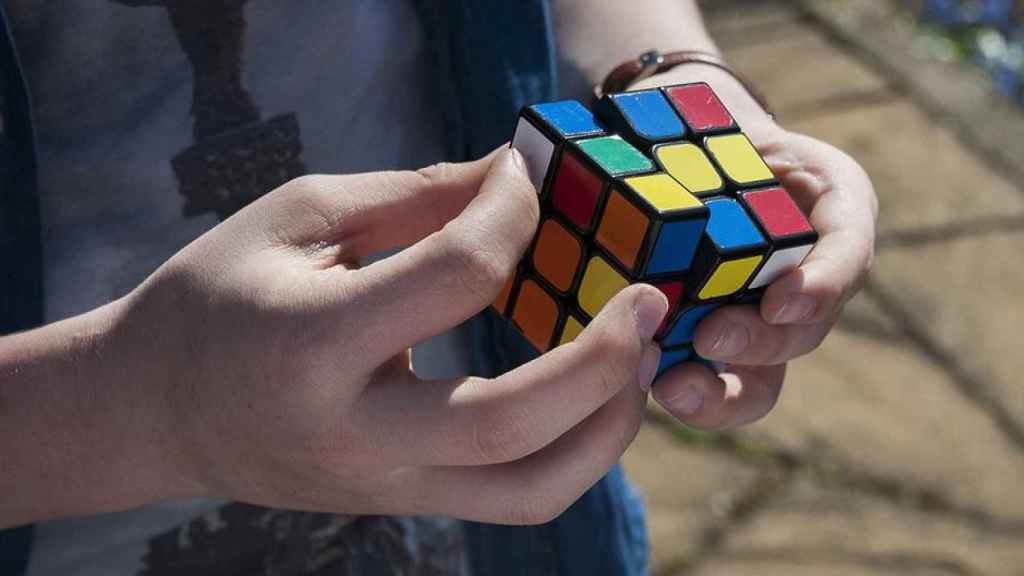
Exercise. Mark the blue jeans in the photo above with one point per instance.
(602, 533)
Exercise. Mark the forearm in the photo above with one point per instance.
(77, 434)
(594, 37)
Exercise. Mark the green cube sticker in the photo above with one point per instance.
(616, 156)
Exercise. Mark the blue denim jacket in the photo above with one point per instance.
(500, 56)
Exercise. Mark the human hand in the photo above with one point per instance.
(797, 310)
(280, 368)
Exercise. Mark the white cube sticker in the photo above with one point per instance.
(780, 262)
(536, 150)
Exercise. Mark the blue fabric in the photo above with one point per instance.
(21, 284)
(493, 57)
(650, 115)
(21, 294)
(602, 533)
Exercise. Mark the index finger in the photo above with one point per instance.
(451, 274)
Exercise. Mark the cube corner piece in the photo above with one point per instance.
(701, 109)
(542, 130)
(789, 233)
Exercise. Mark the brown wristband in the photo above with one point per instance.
(654, 62)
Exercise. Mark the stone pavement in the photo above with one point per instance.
(898, 447)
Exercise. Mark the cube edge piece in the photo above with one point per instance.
(778, 244)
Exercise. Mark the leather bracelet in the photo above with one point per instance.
(654, 62)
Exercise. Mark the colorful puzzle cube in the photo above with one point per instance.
(655, 186)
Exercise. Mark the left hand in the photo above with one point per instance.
(799, 309)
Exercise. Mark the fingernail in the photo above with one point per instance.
(520, 162)
(688, 401)
(732, 340)
(650, 308)
(797, 308)
(648, 368)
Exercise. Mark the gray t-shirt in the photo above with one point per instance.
(153, 120)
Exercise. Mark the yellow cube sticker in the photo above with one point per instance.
(729, 277)
(689, 165)
(600, 284)
(572, 329)
(739, 159)
(662, 192)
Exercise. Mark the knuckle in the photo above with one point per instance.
(435, 173)
(479, 271)
(617, 356)
(307, 184)
(500, 436)
(309, 198)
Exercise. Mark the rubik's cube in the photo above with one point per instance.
(655, 186)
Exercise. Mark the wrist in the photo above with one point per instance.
(123, 407)
(150, 381)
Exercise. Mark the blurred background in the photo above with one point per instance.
(898, 447)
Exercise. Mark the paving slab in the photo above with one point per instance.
(800, 69)
(923, 175)
(734, 24)
(813, 529)
(875, 408)
(686, 490)
(964, 297)
(863, 314)
(883, 33)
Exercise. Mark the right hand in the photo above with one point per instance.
(276, 371)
